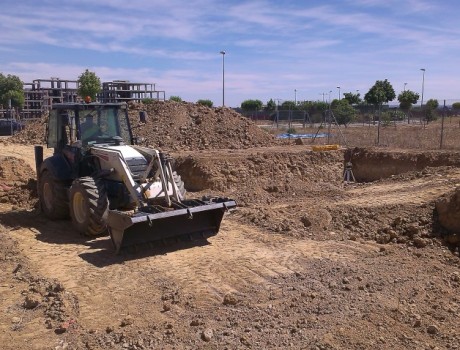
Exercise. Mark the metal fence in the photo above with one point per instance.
(420, 128)
(364, 114)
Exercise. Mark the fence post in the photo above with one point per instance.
(442, 124)
(378, 125)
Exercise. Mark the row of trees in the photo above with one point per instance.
(380, 93)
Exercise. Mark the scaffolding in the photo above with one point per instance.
(41, 94)
(125, 91)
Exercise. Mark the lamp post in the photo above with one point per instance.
(223, 77)
(423, 84)
(330, 91)
(295, 97)
(405, 86)
(338, 87)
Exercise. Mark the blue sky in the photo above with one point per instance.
(274, 49)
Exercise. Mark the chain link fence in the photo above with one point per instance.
(420, 128)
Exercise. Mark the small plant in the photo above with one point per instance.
(208, 103)
(291, 131)
(386, 119)
(147, 101)
(175, 98)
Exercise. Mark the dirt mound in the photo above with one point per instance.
(17, 183)
(33, 134)
(31, 297)
(186, 126)
(176, 126)
(262, 177)
(448, 210)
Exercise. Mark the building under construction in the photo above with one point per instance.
(40, 95)
(125, 91)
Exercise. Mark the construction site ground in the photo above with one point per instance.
(304, 262)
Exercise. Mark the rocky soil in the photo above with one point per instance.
(305, 262)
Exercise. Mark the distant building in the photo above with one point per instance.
(40, 95)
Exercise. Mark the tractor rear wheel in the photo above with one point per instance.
(53, 195)
(89, 206)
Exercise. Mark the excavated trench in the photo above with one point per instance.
(371, 164)
(281, 169)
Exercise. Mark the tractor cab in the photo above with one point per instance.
(74, 128)
(82, 125)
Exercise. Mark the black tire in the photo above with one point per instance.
(89, 206)
(53, 195)
(180, 184)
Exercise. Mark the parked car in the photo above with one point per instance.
(9, 127)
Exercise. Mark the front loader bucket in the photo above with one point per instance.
(155, 223)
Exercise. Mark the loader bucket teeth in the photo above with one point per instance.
(153, 223)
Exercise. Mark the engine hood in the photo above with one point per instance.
(127, 152)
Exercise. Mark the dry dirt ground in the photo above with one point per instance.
(305, 262)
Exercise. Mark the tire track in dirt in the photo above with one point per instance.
(418, 191)
(233, 261)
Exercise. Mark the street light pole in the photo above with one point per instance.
(423, 84)
(295, 97)
(405, 86)
(338, 87)
(223, 77)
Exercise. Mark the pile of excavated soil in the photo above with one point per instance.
(177, 126)
(18, 186)
(33, 134)
(187, 126)
(264, 177)
(448, 210)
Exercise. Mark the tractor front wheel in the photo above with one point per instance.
(89, 206)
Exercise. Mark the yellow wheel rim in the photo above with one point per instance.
(79, 207)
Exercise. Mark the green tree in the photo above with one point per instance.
(270, 106)
(251, 105)
(406, 99)
(353, 99)
(456, 105)
(381, 92)
(430, 110)
(89, 84)
(11, 88)
(312, 106)
(344, 113)
(208, 103)
(175, 98)
(432, 104)
(288, 105)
